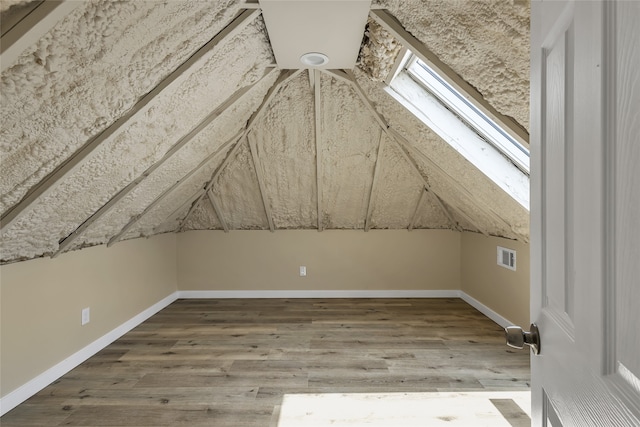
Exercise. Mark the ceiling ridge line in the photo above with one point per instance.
(46, 184)
(184, 140)
(168, 191)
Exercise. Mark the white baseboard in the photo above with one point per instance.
(502, 321)
(322, 294)
(32, 387)
(27, 390)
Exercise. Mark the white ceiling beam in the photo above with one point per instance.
(169, 190)
(318, 138)
(230, 155)
(414, 218)
(83, 153)
(391, 24)
(257, 166)
(374, 183)
(217, 210)
(32, 28)
(227, 104)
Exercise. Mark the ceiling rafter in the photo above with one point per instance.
(416, 169)
(349, 77)
(83, 153)
(461, 189)
(374, 182)
(391, 24)
(226, 105)
(444, 209)
(283, 78)
(230, 155)
(32, 28)
(318, 137)
(174, 215)
(414, 218)
(472, 222)
(168, 191)
(217, 210)
(257, 167)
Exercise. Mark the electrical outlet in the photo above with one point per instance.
(303, 270)
(86, 316)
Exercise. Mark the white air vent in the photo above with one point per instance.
(507, 258)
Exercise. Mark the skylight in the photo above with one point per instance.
(492, 149)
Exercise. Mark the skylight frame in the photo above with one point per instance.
(494, 134)
(442, 119)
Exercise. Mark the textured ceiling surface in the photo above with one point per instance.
(128, 119)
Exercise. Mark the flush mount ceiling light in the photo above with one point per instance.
(331, 30)
(314, 59)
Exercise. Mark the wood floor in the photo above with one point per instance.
(230, 362)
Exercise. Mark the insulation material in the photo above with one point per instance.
(431, 215)
(205, 143)
(453, 173)
(203, 217)
(85, 73)
(379, 51)
(5, 5)
(348, 154)
(238, 193)
(397, 189)
(285, 142)
(484, 41)
(144, 141)
(98, 61)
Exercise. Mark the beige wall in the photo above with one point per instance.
(41, 301)
(335, 260)
(504, 291)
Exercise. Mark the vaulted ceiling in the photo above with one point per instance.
(133, 118)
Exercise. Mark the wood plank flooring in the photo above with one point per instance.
(230, 362)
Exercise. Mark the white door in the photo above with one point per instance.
(585, 217)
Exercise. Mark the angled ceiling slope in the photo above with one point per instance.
(122, 120)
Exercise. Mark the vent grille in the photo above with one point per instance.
(507, 258)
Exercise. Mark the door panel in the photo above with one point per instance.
(585, 216)
(624, 193)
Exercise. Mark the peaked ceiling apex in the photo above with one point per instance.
(332, 28)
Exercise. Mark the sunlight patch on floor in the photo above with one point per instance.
(452, 409)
